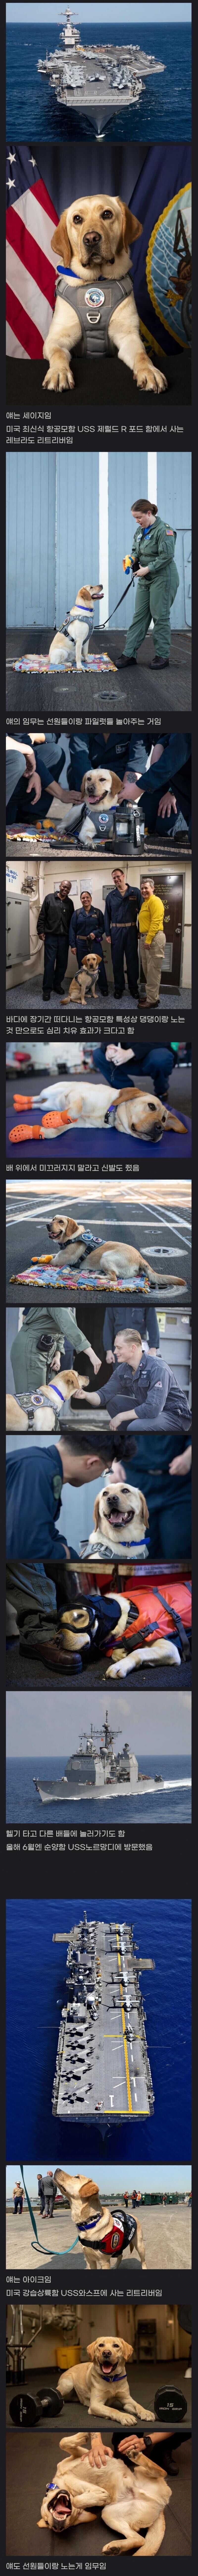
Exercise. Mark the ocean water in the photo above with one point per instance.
(34, 1991)
(169, 1806)
(163, 110)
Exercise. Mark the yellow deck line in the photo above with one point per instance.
(124, 2031)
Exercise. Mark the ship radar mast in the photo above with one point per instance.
(103, 1735)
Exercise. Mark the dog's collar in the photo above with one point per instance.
(74, 272)
(55, 1390)
(66, 272)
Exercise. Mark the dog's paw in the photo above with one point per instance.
(58, 377)
(149, 378)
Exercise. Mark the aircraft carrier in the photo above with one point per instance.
(96, 79)
(102, 2062)
(96, 1767)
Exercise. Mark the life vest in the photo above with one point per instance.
(151, 1616)
(93, 305)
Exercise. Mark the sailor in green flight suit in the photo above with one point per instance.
(153, 558)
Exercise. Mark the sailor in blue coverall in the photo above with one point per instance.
(87, 932)
(122, 906)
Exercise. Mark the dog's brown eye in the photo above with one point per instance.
(107, 215)
(78, 219)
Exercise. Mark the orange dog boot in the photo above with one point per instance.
(20, 1135)
(23, 1099)
(54, 1120)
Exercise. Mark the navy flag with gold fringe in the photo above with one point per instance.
(162, 254)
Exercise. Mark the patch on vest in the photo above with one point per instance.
(94, 298)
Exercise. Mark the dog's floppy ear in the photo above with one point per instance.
(96, 1511)
(176, 1123)
(60, 240)
(127, 2351)
(130, 224)
(89, 2191)
(91, 2349)
(145, 1513)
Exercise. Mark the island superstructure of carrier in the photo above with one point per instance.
(96, 79)
(102, 2063)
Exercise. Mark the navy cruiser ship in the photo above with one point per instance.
(102, 2062)
(95, 1767)
(96, 79)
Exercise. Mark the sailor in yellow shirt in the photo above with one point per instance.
(152, 939)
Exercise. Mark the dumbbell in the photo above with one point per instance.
(170, 2405)
(26, 2410)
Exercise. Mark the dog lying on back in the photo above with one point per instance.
(71, 644)
(130, 2493)
(93, 240)
(94, 2223)
(120, 1520)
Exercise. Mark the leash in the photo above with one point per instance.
(113, 611)
(43, 2249)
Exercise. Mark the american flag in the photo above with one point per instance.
(30, 262)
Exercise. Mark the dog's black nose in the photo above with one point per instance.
(91, 240)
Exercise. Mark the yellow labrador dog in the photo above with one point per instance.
(130, 2494)
(94, 300)
(100, 791)
(40, 1411)
(86, 980)
(137, 1113)
(120, 1520)
(115, 1261)
(100, 787)
(140, 1113)
(96, 2224)
(71, 643)
(101, 2382)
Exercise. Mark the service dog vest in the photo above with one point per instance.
(94, 305)
(120, 2232)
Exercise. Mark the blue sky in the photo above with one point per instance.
(121, 2177)
(38, 1727)
(163, 10)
